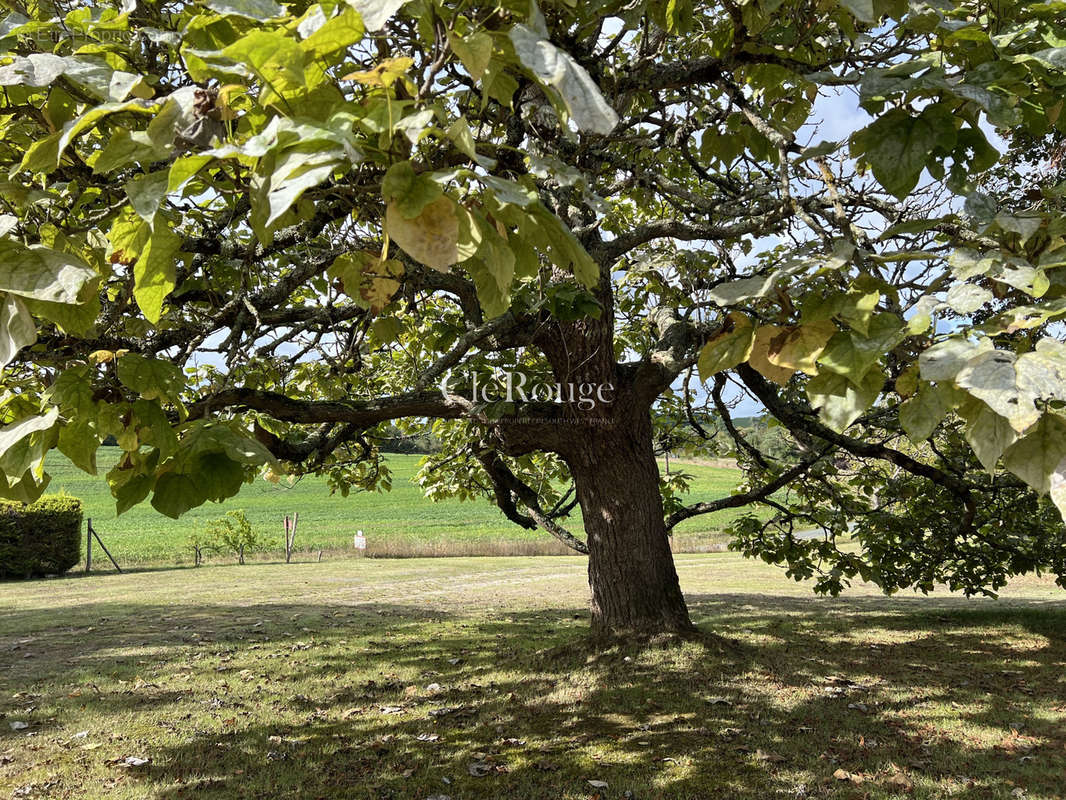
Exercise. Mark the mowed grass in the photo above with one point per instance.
(399, 522)
(469, 678)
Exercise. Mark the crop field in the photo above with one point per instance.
(470, 678)
(401, 522)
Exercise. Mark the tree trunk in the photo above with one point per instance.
(631, 568)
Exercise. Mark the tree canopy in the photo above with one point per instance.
(243, 236)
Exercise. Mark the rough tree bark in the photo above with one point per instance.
(631, 568)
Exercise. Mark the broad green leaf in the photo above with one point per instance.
(36, 70)
(1023, 226)
(1041, 373)
(27, 489)
(857, 309)
(218, 476)
(17, 328)
(495, 253)
(367, 279)
(586, 105)
(839, 401)
(1035, 457)
(127, 237)
(151, 378)
(376, 13)
(335, 35)
(251, 9)
(125, 148)
(942, 361)
(176, 493)
(146, 192)
(897, 146)
(966, 298)
(991, 377)
(921, 315)
(1058, 488)
(44, 154)
(862, 10)
(987, 432)
(463, 138)
(153, 428)
(154, 272)
(727, 349)
(276, 58)
(295, 171)
(23, 444)
(475, 51)
(494, 301)
(564, 250)
(920, 415)
(79, 442)
(41, 273)
(211, 437)
(908, 381)
(131, 492)
(184, 168)
(409, 192)
(728, 294)
(852, 354)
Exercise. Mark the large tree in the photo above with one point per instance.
(244, 236)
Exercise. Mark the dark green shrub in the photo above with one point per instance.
(43, 538)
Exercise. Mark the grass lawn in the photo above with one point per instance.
(399, 522)
(467, 678)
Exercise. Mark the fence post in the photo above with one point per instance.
(88, 545)
(100, 542)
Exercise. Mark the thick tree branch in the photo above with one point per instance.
(363, 413)
(507, 487)
(749, 497)
(794, 418)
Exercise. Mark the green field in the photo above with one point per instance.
(377, 679)
(400, 522)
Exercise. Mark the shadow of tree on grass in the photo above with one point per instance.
(853, 698)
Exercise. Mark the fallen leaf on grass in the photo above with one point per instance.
(598, 784)
(901, 781)
(130, 761)
(479, 769)
(844, 775)
(18, 725)
(770, 758)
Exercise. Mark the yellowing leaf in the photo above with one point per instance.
(799, 346)
(380, 285)
(226, 95)
(367, 279)
(384, 74)
(760, 352)
(1058, 483)
(431, 238)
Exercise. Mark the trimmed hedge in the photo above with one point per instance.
(43, 538)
